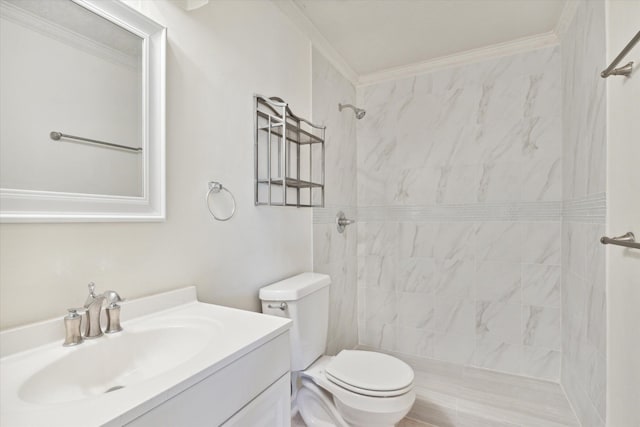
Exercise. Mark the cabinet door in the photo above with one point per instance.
(271, 408)
(215, 399)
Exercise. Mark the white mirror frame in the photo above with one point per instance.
(48, 206)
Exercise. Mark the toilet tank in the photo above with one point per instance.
(306, 303)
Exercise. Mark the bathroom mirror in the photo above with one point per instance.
(82, 112)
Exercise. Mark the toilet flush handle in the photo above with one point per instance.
(282, 306)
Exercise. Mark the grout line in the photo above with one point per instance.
(566, 396)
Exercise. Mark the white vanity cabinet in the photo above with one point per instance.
(251, 391)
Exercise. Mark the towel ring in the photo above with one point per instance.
(216, 187)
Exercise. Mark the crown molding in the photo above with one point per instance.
(566, 17)
(462, 58)
(304, 24)
(293, 11)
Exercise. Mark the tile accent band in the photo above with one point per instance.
(520, 211)
(590, 209)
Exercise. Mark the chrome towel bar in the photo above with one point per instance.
(627, 240)
(56, 136)
(625, 70)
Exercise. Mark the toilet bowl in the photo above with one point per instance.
(354, 388)
(378, 392)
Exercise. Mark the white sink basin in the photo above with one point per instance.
(113, 362)
(170, 342)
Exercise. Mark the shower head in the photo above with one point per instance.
(359, 111)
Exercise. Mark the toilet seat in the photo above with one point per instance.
(358, 408)
(370, 373)
(369, 393)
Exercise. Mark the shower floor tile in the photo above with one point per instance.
(450, 395)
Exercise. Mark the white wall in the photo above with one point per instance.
(623, 190)
(54, 83)
(218, 56)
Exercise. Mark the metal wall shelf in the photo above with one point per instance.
(292, 182)
(289, 156)
(298, 136)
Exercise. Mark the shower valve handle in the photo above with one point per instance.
(342, 221)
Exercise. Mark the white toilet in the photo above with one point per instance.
(354, 388)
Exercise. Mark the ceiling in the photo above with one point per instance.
(376, 35)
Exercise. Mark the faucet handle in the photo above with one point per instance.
(75, 312)
(72, 322)
(112, 298)
(92, 295)
(113, 312)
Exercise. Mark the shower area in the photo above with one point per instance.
(479, 193)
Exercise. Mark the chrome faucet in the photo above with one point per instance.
(93, 305)
(93, 310)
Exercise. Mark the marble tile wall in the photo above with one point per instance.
(335, 253)
(583, 54)
(459, 200)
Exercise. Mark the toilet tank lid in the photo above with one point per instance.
(295, 287)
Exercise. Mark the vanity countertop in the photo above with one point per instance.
(170, 342)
